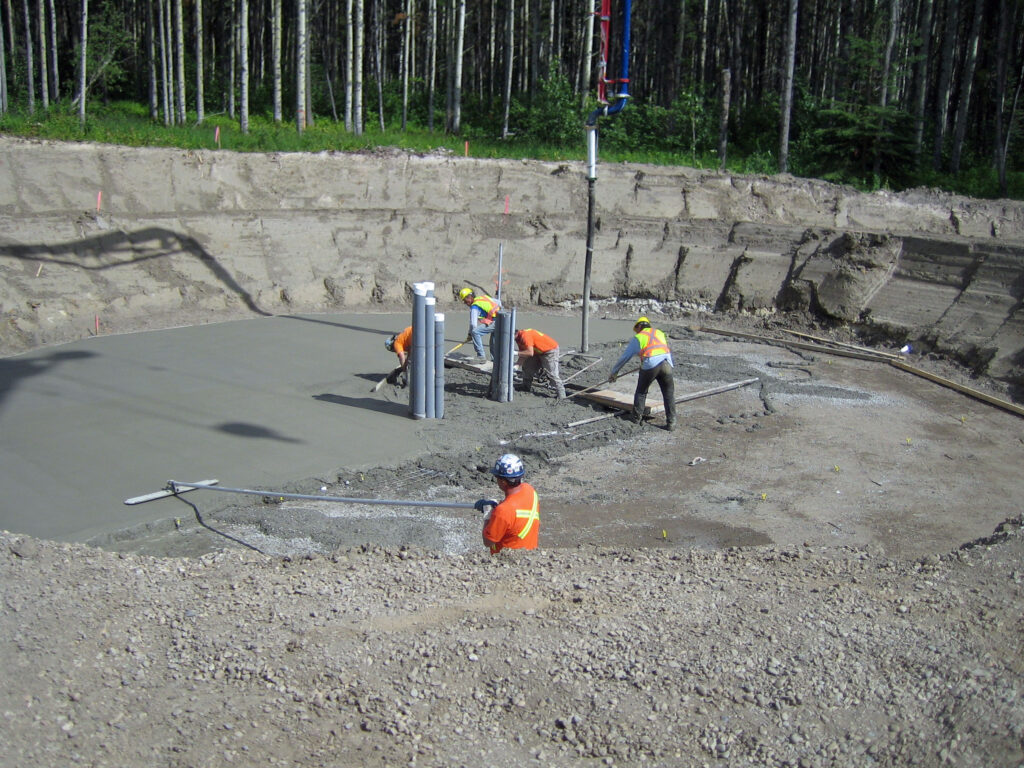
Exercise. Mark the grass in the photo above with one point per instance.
(129, 124)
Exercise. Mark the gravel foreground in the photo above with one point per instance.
(372, 656)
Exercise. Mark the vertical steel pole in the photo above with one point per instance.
(417, 404)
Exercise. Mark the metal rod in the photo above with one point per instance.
(175, 487)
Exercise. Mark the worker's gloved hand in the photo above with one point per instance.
(469, 337)
(393, 376)
(611, 378)
(485, 505)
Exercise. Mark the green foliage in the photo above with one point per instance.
(553, 114)
(107, 50)
(870, 146)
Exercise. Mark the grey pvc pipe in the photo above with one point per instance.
(429, 392)
(439, 365)
(417, 403)
(174, 485)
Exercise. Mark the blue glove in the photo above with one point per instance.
(483, 504)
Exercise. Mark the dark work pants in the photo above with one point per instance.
(663, 375)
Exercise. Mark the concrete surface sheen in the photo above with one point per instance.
(257, 403)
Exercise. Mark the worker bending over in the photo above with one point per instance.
(482, 311)
(655, 364)
(400, 343)
(538, 351)
(514, 522)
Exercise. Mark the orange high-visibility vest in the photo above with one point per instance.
(541, 342)
(652, 342)
(489, 306)
(515, 522)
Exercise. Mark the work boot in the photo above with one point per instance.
(670, 426)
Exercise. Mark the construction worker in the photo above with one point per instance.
(400, 343)
(514, 522)
(655, 364)
(538, 351)
(482, 311)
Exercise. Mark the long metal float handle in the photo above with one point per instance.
(175, 485)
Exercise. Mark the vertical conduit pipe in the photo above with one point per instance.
(417, 404)
(510, 352)
(428, 352)
(439, 365)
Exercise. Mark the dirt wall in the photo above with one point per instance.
(118, 238)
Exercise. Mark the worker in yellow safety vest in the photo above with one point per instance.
(482, 311)
(655, 365)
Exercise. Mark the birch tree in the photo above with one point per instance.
(83, 46)
(200, 39)
(300, 68)
(54, 76)
(3, 72)
(275, 57)
(786, 109)
(179, 49)
(243, 65)
(44, 85)
(966, 85)
(357, 80)
(29, 64)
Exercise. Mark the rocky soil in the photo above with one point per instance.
(804, 656)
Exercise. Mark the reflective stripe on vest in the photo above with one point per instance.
(489, 308)
(652, 343)
(530, 515)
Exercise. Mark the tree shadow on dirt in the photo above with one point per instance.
(91, 251)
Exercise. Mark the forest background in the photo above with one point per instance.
(877, 94)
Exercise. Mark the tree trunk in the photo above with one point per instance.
(945, 82)
(54, 71)
(723, 118)
(200, 39)
(154, 97)
(460, 37)
(349, 63)
(3, 74)
(275, 58)
(44, 84)
(29, 63)
(300, 68)
(431, 61)
(243, 66)
(786, 108)
(510, 26)
(883, 101)
(924, 33)
(164, 60)
(406, 46)
(586, 53)
(179, 50)
(81, 63)
(966, 86)
(357, 83)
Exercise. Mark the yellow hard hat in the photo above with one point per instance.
(642, 321)
(464, 293)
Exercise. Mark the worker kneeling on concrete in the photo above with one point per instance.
(538, 351)
(400, 343)
(514, 522)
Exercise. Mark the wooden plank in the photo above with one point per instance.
(796, 344)
(681, 399)
(868, 350)
(1006, 406)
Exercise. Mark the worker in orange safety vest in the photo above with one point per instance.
(538, 351)
(514, 522)
(655, 365)
(400, 343)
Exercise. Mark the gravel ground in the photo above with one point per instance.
(761, 656)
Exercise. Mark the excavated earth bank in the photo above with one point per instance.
(837, 582)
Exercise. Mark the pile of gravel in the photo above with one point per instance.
(372, 656)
